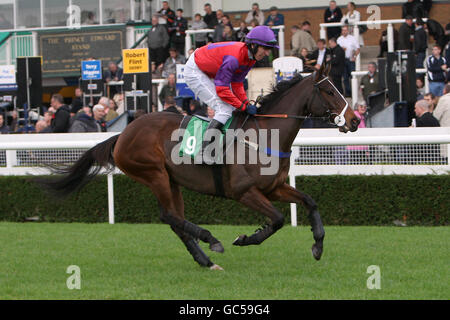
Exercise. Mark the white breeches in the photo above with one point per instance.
(205, 89)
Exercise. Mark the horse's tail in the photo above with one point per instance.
(83, 171)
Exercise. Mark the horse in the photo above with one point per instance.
(143, 152)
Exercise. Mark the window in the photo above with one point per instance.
(6, 14)
(89, 11)
(28, 13)
(116, 11)
(55, 13)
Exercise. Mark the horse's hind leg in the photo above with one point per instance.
(255, 200)
(191, 244)
(159, 182)
(286, 193)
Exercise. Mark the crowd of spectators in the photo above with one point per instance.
(166, 41)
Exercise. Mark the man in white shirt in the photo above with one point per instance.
(351, 47)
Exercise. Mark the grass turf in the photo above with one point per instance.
(148, 261)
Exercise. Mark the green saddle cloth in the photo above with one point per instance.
(193, 136)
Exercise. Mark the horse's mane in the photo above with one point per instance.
(277, 91)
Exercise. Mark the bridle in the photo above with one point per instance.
(339, 119)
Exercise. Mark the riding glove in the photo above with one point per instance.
(251, 109)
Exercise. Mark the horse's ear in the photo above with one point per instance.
(319, 73)
(327, 68)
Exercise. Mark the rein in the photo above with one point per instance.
(339, 119)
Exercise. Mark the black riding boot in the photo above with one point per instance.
(208, 158)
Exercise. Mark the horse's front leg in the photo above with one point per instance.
(286, 193)
(255, 200)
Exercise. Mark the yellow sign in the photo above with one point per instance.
(135, 60)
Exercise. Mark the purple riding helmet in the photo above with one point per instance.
(263, 36)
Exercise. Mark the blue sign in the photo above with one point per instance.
(91, 70)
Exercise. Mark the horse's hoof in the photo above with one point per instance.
(239, 241)
(217, 247)
(216, 267)
(317, 250)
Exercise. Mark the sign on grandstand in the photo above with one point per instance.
(91, 70)
(135, 60)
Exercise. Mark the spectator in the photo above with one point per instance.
(77, 102)
(41, 127)
(61, 120)
(170, 106)
(211, 113)
(431, 99)
(99, 114)
(320, 54)
(3, 127)
(412, 8)
(112, 111)
(436, 66)
(242, 32)
(337, 61)
(420, 86)
(220, 15)
(359, 154)
(274, 19)
(104, 101)
(157, 71)
(442, 110)
(369, 82)
(255, 13)
(196, 108)
(167, 14)
(307, 62)
(114, 73)
(254, 23)
(384, 43)
(178, 31)
(84, 122)
(219, 31)
(424, 117)
(306, 26)
(48, 116)
(119, 101)
(190, 51)
(14, 125)
(198, 24)
(302, 39)
(210, 17)
(350, 18)
(169, 89)
(437, 32)
(228, 33)
(351, 48)
(333, 14)
(158, 40)
(420, 43)
(170, 66)
(406, 34)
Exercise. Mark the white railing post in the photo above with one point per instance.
(358, 57)
(34, 41)
(323, 32)
(292, 184)
(390, 37)
(131, 37)
(281, 41)
(110, 198)
(355, 89)
(188, 44)
(8, 52)
(11, 158)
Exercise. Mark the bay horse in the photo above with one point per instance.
(142, 151)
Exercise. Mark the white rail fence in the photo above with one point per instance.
(380, 151)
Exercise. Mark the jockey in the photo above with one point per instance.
(215, 72)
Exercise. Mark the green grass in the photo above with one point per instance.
(148, 261)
